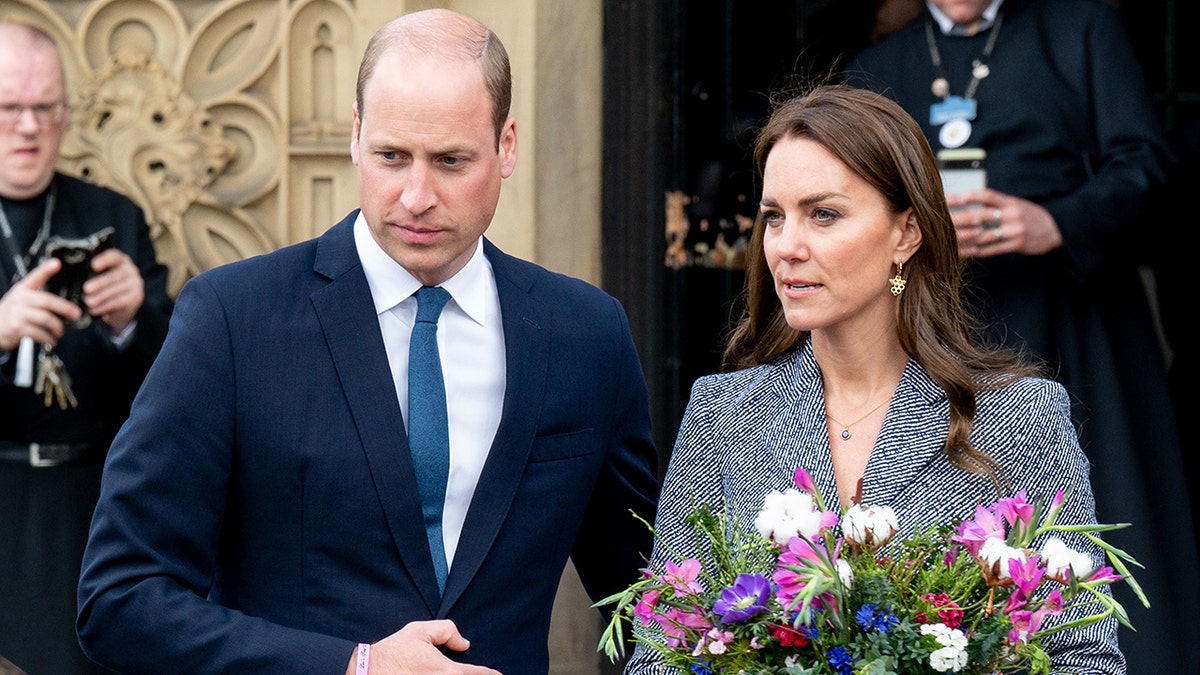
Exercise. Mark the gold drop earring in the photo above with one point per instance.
(898, 281)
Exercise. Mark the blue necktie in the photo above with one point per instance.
(428, 430)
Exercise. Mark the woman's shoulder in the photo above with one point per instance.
(766, 380)
(1026, 391)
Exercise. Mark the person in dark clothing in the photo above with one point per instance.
(1052, 94)
(68, 372)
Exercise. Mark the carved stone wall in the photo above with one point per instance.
(228, 122)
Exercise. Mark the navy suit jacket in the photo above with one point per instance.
(259, 510)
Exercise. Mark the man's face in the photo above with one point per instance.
(429, 172)
(963, 11)
(29, 76)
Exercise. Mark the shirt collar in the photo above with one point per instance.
(950, 28)
(391, 284)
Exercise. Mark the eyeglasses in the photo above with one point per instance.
(45, 113)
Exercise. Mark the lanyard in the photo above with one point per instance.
(20, 262)
(979, 67)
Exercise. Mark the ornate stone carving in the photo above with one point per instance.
(136, 131)
(228, 122)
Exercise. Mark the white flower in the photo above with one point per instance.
(845, 573)
(995, 550)
(788, 514)
(948, 659)
(1058, 557)
(870, 526)
(952, 655)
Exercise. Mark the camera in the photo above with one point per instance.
(76, 256)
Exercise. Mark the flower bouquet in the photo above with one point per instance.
(812, 593)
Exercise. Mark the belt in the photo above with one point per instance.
(44, 454)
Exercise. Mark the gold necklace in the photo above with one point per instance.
(846, 427)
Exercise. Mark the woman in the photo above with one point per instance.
(1053, 93)
(855, 358)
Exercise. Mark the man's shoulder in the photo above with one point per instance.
(537, 279)
(83, 190)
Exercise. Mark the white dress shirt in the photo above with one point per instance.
(471, 345)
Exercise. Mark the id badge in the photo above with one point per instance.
(954, 107)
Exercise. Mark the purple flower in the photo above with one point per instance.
(746, 597)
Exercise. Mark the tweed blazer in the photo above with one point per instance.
(744, 433)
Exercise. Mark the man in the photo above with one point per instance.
(1051, 94)
(53, 437)
(263, 511)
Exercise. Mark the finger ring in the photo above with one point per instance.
(997, 215)
(999, 232)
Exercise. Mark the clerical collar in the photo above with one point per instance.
(948, 27)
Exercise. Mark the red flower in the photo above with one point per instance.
(788, 637)
(948, 611)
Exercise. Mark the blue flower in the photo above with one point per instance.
(870, 619)
(702, 668)
(840, 660)
(865, 615)
(746, 597)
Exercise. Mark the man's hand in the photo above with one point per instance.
(27, 310)
(414, 649)
(989, 222)
(116, 292)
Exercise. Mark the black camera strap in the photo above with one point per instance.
(21, 263)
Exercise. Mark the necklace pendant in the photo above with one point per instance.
(980, 70)
(845, 434)
(940, 87)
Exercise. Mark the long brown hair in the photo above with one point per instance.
(883, 145)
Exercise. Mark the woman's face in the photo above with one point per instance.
(831, 241)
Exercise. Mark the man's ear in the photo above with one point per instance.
(508, 148)
(354, 131)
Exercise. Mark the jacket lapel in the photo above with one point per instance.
(910, 440)
(527, 346)
(796, 435)
(347, 316)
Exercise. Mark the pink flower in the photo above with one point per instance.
(1017, 511)
(683, 577)
(1025, 624)
(1026, 574)
(800, 553)
(804, 481)
(677, 625)
(1103, 575)
(974, 533)
(644, 610)
(714, 641)
(1054, 603)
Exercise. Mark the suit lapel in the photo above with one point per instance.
(527, 346)
(347, 316)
